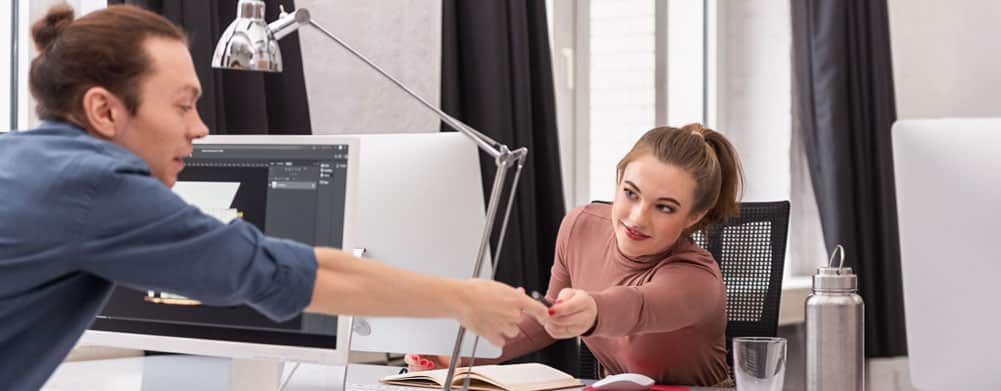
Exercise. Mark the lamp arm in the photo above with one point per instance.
(492, 207)
(504, 158)
(288, 23)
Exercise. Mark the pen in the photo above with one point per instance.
(542, 299)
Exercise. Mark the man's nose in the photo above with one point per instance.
(199, 130)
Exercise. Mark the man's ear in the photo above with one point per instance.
(104, 112)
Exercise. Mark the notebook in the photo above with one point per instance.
(511, 377)
(655, 387)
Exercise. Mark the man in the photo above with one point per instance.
(85, 203)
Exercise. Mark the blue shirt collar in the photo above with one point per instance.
(115, 151)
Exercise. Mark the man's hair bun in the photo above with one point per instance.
(47, 29)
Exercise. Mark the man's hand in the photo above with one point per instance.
(493, 310)
(573, 314)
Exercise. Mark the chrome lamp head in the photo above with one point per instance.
(248, 44)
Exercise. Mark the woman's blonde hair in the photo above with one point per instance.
(704, 154)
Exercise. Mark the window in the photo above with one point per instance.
(625, 66)
(15, 99)
(612, 75)
(6, 25)
(622, 86)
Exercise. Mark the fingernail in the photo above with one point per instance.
(426, 363)
(414, 357)
(551, 312)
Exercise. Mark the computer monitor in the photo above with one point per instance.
(948, 186)
(420, 207)
(296, 187)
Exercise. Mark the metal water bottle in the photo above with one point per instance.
(835, 349)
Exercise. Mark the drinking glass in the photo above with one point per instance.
(759, 363)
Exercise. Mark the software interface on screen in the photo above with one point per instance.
(288, 191)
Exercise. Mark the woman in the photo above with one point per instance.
(628, 278)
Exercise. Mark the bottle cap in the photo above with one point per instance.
(835, 278)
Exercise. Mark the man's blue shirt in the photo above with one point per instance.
(78, 215)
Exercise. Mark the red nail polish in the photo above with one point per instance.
(551, 312)
(425, 363)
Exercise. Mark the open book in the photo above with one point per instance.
(512, 377)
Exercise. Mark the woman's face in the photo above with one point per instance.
(652, 207)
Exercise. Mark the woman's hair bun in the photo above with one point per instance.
(47, 29)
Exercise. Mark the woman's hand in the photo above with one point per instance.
(416, 362)
(573, 314)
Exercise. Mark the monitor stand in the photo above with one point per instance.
(195, 373)
(183, 372)
(255, 375)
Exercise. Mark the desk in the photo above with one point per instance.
(201, 373)
(792, 307)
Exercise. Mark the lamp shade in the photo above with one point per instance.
(248, 44)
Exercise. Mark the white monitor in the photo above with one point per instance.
(420, 207)
(298, 187)
(948, 190)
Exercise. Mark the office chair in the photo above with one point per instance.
(750, 249)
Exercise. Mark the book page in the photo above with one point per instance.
(513, 377)
(528, 376)
(437, 376)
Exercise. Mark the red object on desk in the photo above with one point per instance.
(655, 387)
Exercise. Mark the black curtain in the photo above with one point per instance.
(235, 102)
(844, 92)
(497, 77)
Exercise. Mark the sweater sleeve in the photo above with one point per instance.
(533, 336)
(679, 295)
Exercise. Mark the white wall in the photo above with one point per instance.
(684, 60)
(753, 100)
(946, 57)
(754, 87)
(562, 15)
(345, 95)
(622, 87)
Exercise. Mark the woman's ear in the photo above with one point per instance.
(104, 113)
(695, 218)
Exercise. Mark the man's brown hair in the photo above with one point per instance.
(101, 49)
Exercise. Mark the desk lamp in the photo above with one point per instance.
(251, 44)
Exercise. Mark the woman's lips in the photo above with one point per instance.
(633, 234)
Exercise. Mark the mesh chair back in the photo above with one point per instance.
(750, 249)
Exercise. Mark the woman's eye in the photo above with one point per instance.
(629, 194)
(185, 108)
(665, 208)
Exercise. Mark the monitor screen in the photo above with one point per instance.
(292, 191)
(436, 229)
(947, 187)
